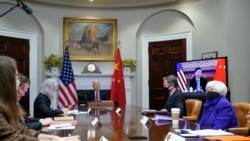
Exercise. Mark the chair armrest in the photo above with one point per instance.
(190, 118)
(239, 130)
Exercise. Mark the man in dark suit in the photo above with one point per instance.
(97, 94)
(175, 99)
(31, 123)
(198, 83)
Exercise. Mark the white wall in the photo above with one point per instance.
(219, 25)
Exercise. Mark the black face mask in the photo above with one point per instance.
(212, 95)
(166, 90)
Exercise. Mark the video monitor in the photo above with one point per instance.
(212, 69)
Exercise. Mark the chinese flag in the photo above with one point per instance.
(117, 93)
(220, 72)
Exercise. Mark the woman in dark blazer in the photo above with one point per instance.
(43, 100)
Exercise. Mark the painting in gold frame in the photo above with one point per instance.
(90, 39)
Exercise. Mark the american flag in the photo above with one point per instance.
(181, 78)
(67, 96)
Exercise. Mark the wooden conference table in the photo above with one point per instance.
(119, 127)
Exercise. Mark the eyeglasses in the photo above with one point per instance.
(19, 76)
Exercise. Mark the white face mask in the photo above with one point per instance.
(17, 83)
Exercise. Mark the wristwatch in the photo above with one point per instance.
(91, 67)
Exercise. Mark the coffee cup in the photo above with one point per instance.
(175, 114)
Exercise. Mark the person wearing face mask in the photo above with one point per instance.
(175, 99)
(31, 123)
(218, 112)
(10, 128)
(42, 102)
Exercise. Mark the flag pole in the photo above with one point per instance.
(119, 44)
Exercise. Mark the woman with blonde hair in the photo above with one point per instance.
(43, 100)
(10, 128)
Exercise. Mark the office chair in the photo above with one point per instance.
(241, 110)
(193, 108)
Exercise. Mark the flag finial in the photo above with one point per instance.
(119, 44)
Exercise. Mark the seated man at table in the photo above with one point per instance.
(198, 83)
(31, 123)
(218, 112)
(175, 99)
(97, 94)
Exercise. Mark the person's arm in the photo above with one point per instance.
(105, 95)
(11, 133)
(192, 83)
(224, 116)
(179, 103)
(45, 110)
(45, 137)
(35, 125)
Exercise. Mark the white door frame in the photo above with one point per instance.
(144, 54)
(32, 37)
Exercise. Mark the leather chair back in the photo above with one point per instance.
(241, 110)
(193, 109)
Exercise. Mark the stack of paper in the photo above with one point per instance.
(161, 120)
(73, 122)
(63, 118)
(76, 112)
(211, 132)
(229, 138)
(61, 126)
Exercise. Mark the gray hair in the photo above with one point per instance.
(217, 86)
(48, 87)
(171, 80)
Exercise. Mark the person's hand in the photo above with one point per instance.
(163, 109)
(46, 121)
(65, 110)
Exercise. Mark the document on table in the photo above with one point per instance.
(162, 118)
(61, 126)
(210, 132)
(63, 118)
(77, 112)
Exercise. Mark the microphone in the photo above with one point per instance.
(26, 7)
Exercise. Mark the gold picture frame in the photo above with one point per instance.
(90, 39)
(209, 55)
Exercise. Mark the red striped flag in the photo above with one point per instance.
(182, 81)
(67, 96)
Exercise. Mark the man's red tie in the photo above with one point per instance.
(96, 96)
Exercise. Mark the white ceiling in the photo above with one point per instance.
(104, 3)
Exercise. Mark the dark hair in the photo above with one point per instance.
(171, 80)
(24, 79)
(198, 68)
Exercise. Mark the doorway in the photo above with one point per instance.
(163, 56)
(34, 60)
(144, 50)
(19, 50)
